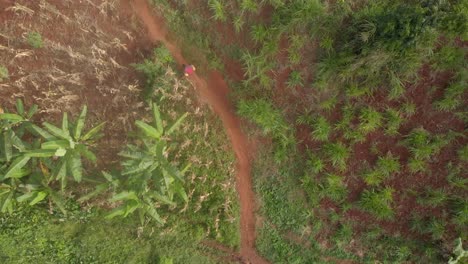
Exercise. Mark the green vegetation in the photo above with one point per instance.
(162, 176)
(337, 154)
(334, 188)
(321, 129)
(394, 120)
(30, 168)
(271, 122)
(459, 253)
(361, 110)
(378, 203)
(190, 143)
(147, 176)
(385, 167)
(32, 234)
(35, 40)
(371, 136)
(4, 75)
(370, 120)
(295, 79)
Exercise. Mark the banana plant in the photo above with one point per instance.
(150, 176)
(69, 144)
(7, 195)
(20, 120)
(12, 128)
(34, 193)
(15, 157)
(111, 182)
(16, 153)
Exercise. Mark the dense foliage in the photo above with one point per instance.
(30, 167)
(368, 97)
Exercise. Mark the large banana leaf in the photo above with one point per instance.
(58, 200)
(176, 124)
(148, 130)
(157, 119)
(41, 132)
(80, 123)
(119, 211)
(56, 144)
(151, 211)
(25, 197)
(16, 166)
(63, 134)
(128, 153)
(39, 197)
(13, 118)
(19, 107)
(40, 153)
(139, 167)
(75, 167)
(60, 172)
(131, 206)
(65, 122)
(20, 173)
(7, 147)
(93, 133)
(162, 198)
(179, 189)
(32, 111)
(172, 171)
(123, 196)
(17, 142)
(8, 140)
(85, 152)
(168, 180)
(8, 203)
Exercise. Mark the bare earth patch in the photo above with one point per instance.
(88, 49)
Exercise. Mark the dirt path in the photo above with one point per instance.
(214, 91)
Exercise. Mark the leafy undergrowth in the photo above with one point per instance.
(33, 235)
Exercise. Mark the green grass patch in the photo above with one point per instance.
(33, 235)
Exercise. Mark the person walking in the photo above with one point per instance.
(188, 69)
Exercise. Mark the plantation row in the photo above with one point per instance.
(364, 103)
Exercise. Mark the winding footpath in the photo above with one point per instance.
(214, 90)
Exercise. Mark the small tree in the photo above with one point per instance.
(69, 144)
(29, 168)
(148, 176)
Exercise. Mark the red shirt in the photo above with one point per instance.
(189, 69)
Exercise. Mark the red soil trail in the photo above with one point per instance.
(214, 91)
